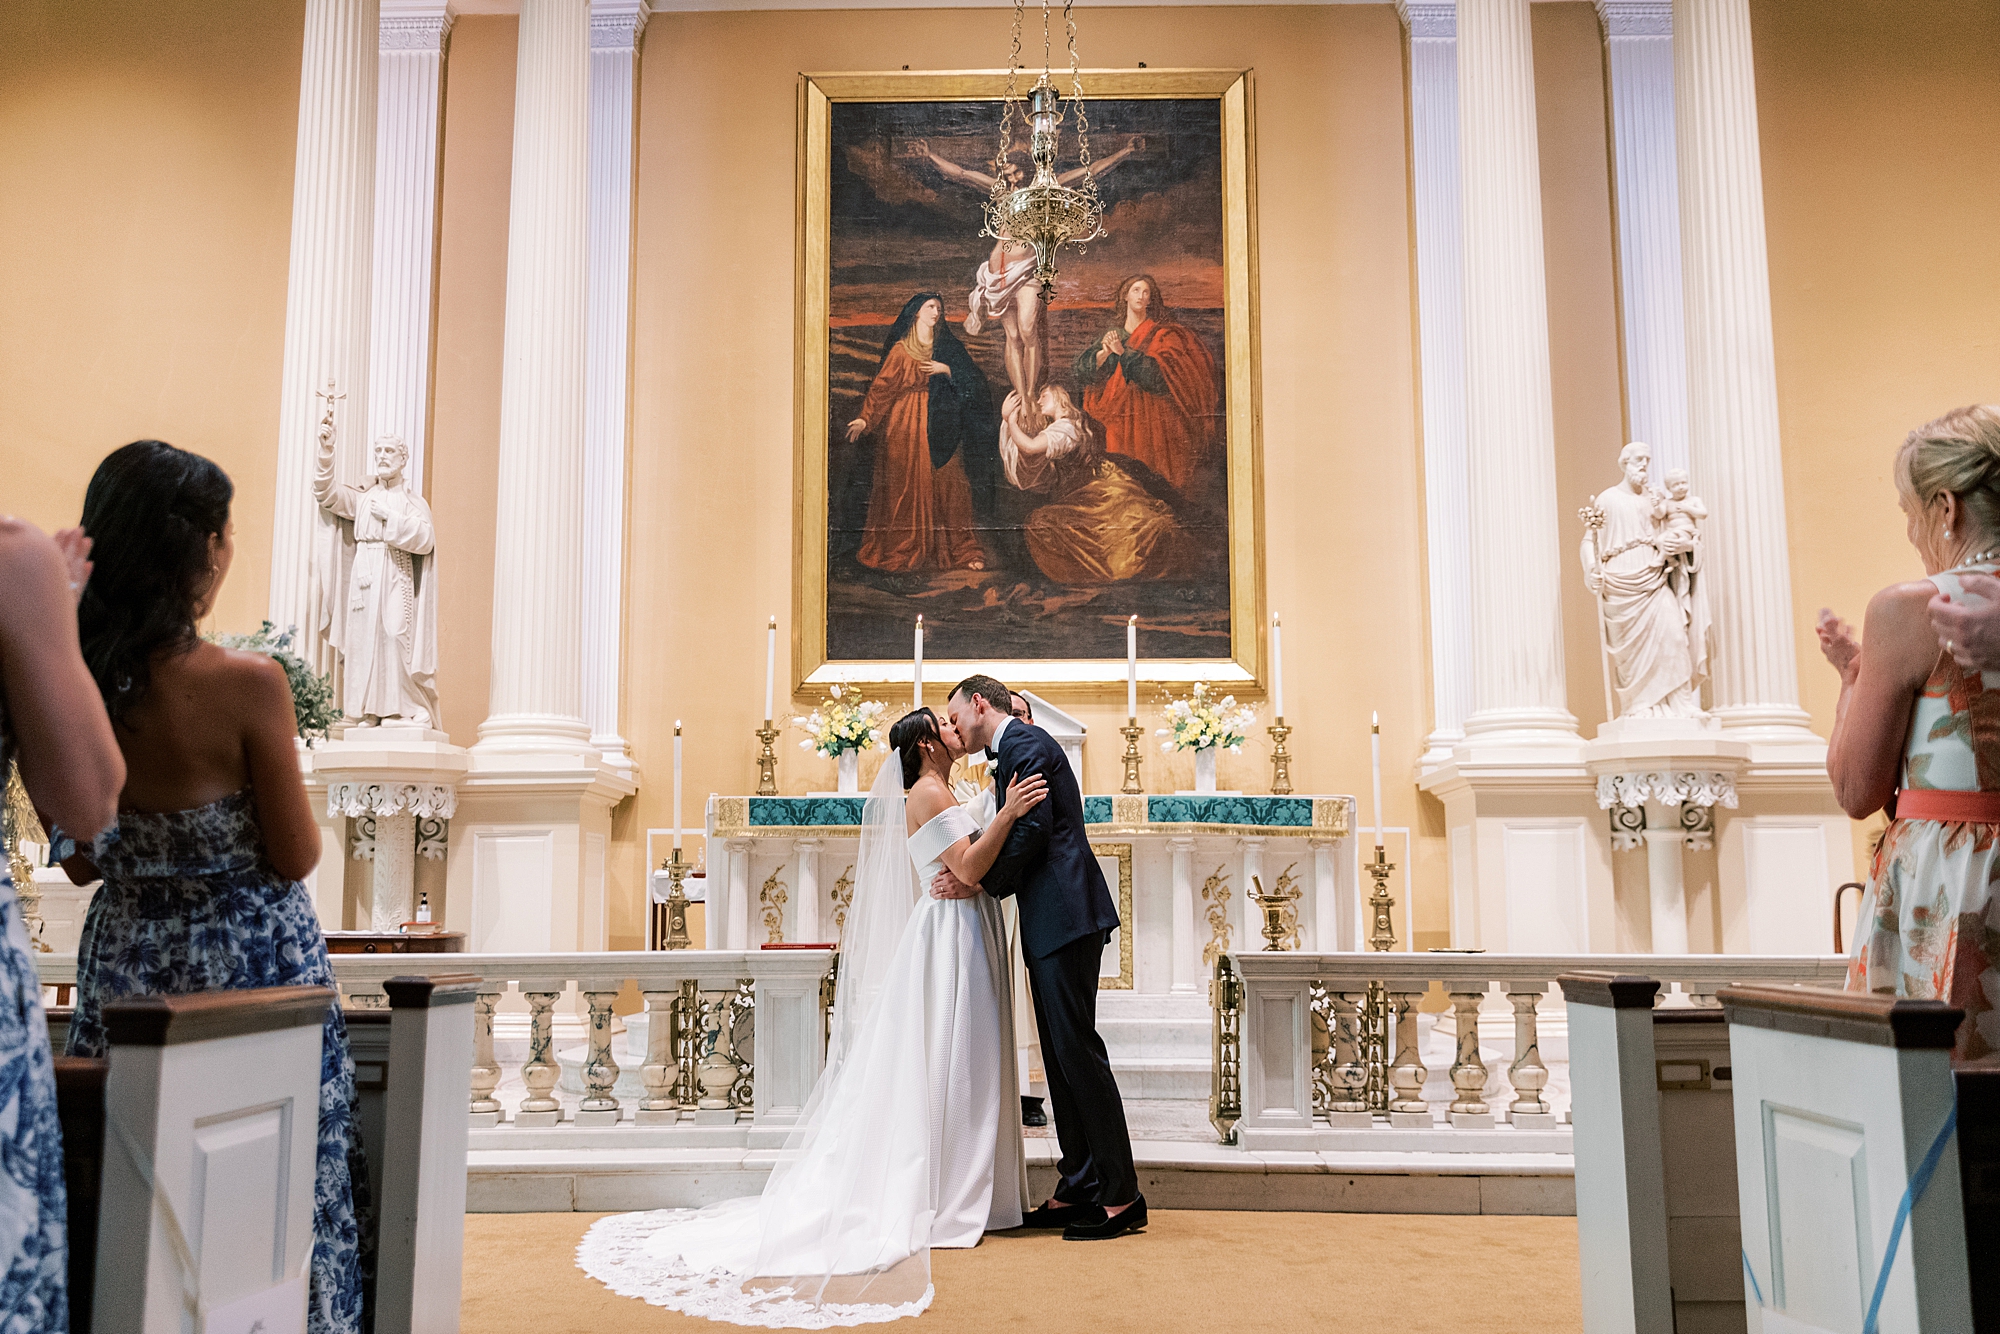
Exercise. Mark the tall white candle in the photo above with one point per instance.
(917, 669)
(677, 784)
(1277, 670)
(1375, 757)
(1132, 667)
(770, 666)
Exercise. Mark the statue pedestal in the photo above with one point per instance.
(383, 797)
(1662, 835)
(527, 869)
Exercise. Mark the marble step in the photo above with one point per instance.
(1168, 1078)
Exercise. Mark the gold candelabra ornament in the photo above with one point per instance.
(1047, 213)
(767, 761)
(1131, 732)
(670, 917)
(1280, 929)
(1281, 759)
(1375, 1022)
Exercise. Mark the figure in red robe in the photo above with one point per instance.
(1150, 383)
(932, 418)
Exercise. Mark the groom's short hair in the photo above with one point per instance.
(988, 689)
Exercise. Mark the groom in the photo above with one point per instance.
(1066, 918)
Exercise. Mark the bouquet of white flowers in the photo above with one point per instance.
(842, 724)
(1201, 723)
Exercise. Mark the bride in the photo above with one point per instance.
(912, 1136)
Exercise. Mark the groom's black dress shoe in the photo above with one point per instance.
(1130, 1219)
(1032, 1113)
(1063, 1216)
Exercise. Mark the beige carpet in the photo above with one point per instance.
(1200, 1272)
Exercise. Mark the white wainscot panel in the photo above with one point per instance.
(513, 888)
(1786, 883)
(1546, 877)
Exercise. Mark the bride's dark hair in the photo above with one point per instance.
(151, 513)
(907, 738)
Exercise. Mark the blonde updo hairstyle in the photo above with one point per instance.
(1958, 453)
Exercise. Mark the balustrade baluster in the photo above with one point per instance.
(600, 1071)
(1468, 1073)
(540, 1074)
(1408, 1110)
(660, 1071)
(1350, 1074)
(485, 1108)
(1529, 1110)
(717, 1072)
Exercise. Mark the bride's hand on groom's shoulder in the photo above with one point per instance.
(1026, 793)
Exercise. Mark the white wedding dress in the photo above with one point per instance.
(912, 1136)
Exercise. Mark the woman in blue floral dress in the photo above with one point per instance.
(52, 722)
(201, 872)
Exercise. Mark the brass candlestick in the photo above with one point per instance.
(1131, 731)
(1375, 1023)
(1281, 759)
(767, 763)
(670, 919)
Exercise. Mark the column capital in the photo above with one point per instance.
(1636, 18)
(615, 25)
(416, 25)
(1429, 20)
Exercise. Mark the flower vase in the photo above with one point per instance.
(850, 772)
(1204, 771)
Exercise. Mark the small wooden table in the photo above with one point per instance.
(394, 942)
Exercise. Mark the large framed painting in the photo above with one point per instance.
(1023, 474)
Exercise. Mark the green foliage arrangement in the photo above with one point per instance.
(312, 694)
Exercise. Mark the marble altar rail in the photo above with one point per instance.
(1310, 1048)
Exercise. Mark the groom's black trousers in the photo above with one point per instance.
(1096, 1162)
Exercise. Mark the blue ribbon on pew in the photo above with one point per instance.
(1919, 1183)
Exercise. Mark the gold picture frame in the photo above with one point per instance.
(1126, 926)
(1243, 670)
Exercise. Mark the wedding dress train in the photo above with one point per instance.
(912, 1136)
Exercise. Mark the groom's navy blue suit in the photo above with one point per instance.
(1066, 918)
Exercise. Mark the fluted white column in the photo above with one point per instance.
(1517, 663)
(326, 294)
(537, 692)
(615, 26)
(1733, 443)
(1638, 35)
(1441, 342)
(406, 187)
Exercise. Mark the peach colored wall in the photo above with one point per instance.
(145, 225)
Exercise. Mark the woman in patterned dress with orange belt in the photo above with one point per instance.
(1919, 736)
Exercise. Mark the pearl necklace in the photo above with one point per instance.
(1979, 558)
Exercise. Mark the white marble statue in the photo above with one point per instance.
(1644, 566)
(376, 560)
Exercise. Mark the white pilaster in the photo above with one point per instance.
(406, 187)
(1733, 442)
(1186, 971)
(326, 295)
(1638, 35)
(537, 696)
(1517, 667)
(1433, 29)
(805, 912)
(615, 26)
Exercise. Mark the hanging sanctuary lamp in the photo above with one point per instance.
(1045, 214)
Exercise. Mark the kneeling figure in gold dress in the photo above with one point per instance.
(1100, 525)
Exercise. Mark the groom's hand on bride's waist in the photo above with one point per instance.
(945, 885)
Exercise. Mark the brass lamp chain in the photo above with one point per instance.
(1045, 214)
